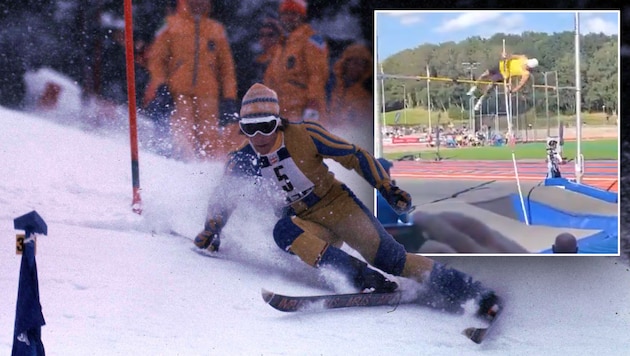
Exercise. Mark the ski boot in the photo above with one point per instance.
(489, 305)
(368, 280)
(449, 289)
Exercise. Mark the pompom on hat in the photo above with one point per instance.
(297, 6)
(259, 101)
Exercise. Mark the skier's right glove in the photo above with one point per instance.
(208, 240)
(397, 198)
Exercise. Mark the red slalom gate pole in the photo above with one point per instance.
(136, 204)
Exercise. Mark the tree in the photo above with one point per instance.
(602, 77)
(555, 52)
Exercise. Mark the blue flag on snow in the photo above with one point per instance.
(28, 313)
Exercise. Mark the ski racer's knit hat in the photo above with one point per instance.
(298, 6)
(260, 101)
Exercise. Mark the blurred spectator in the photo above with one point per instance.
(161, 107)
(111, 83)
(270, 37)
(107, 85)
(565, 243)
(192, 59)
(299, 72)
(351, 103)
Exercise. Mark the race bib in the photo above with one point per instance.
(280, 168)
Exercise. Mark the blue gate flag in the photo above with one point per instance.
(28, 312)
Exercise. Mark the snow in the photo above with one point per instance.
(116, 283)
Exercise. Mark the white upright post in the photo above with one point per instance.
(405, 104)
(381, 128)
(579, 159)
(429, 99)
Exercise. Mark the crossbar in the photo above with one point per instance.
(456, 80)
(438, 79)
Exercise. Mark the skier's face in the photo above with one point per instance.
(199, 7)
(262, 132)
(267, 38)
(263, 144)
(290, 20)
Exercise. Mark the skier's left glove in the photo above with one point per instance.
(312, 110)
(208, 240)
(397, 198)
(310, 114)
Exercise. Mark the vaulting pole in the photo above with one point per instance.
(511, 136)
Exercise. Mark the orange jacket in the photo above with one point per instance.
(265, 57)
(351, 104)
(192, 58)
(299, 72)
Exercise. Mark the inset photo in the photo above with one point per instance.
(504, 129)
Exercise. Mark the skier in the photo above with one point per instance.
(321, 213)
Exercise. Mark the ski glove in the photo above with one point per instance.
(208, 240)
(397, 198)
(228, 112)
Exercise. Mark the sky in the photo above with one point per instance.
(400, 30)
(112, 282)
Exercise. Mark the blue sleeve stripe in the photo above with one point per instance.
(369, 169)
(316, 124)
(382, 173)
(329, 145)
(325, 148)
(363, 162)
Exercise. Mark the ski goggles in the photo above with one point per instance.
(264, 125)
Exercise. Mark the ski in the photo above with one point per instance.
(477, 335)
(204, 252)
(286, 303)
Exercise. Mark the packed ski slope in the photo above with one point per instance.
(116, 283)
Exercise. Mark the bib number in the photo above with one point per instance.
(284, 181)
(280, 168)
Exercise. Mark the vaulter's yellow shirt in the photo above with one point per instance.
(513, 67)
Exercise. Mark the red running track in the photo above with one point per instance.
(602, 174)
